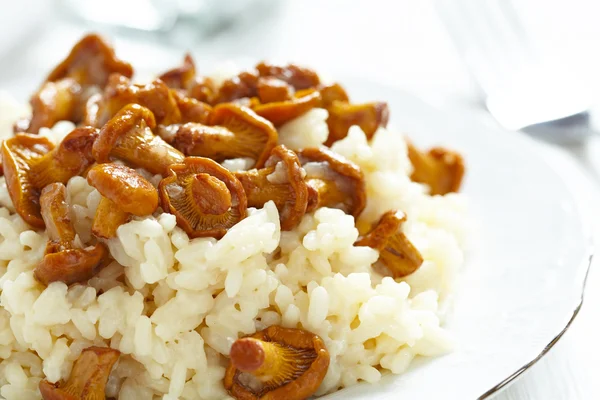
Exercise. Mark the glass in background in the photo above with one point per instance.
(169, 20)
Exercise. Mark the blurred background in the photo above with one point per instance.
(511, 63)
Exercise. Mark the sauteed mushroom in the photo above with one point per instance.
(55, 101)
(192, 110)
(333, 92)
(369, 116)
(441, 169)
(299, 77)
(90, 62)
(276, 363)
(88, 377)
(156, 96)
(124, 193)
(395, 250)
(240, 86)
(62, 260)
(31, 162)
(271, 90)
(283, 111)
(237, 132)
(333, 181)
(281, 180)
(68, 87)
(19, 153)
(128, 136)
(181, 77)
(70, 158)
(206, 198)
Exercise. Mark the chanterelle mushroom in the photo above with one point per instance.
(281, 112)
(70, 158)
(395, 250)
(124, 193)
(128, 136)
(342, 115)
(441, 169)
(31, 162)
(238, 87)
(181, 77)
(206, 198)
(90, 62)
(270, 90)
(333, 181)
(19, 153)
(62, 260)
(88, 377)
(236, 132)
(299, 77)
(73, 81)
(192, 110)
(119, 92)
(53, 102)
(281, 180)
(184, 80)
(332, 92)
(276, 363)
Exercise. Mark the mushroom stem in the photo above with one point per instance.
(282, 181)
(205, 197)
(210, 194)
(108, 218)
(270, 362)
(400, 256)
(276, 363)
(55, 213)
(214, 142)
(259, 189)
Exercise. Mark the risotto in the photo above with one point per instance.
(314, 248)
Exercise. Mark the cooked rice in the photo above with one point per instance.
(173, 306)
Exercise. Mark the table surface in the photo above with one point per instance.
(401, 43)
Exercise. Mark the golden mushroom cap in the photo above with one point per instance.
(19, 153)
(276, 363)
(62, 261)
(398, 254)
(88, 377)
(256, 135)
(283, 111)
(334, 170)
(205, 198)
(125, 187)
(282, 181)
(90, 62)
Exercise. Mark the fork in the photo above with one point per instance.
(522, 90)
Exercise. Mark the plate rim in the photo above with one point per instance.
(544, 151)
(517, 374)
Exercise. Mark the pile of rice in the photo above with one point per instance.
(173, 306)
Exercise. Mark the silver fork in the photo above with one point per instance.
(521, 89)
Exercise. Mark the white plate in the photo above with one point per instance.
(526, 271)
(525, 274)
